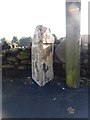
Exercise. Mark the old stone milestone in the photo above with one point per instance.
(42, 55)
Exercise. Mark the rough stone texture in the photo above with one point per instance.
(42, 55)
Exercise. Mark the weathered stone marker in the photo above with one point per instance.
(42, 55)
(72, 43)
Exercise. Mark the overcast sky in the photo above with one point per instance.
(20, 17)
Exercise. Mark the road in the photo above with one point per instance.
(23, 98)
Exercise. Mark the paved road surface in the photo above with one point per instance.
(22, 98)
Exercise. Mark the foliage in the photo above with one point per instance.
(3, 40)
(25, 41)
(15, 40)
(23, 55)
(11, 59)
(5, 46)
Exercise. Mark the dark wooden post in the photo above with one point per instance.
(1, 80)
(72, 43)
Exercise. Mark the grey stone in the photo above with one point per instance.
(42, 55)
(60, 51)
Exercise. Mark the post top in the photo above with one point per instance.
(73, 0)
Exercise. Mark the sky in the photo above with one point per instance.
(20, 17)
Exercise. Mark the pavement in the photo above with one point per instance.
(23, 98)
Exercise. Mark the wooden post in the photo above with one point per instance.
(0, 80)
(72, 43)
(42, 55)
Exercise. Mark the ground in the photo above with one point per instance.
(23, 98)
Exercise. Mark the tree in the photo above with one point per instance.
(3, 40)
(5, 46)
(15, 40)
(25, 41)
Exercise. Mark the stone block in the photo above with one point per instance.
(42, 55)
